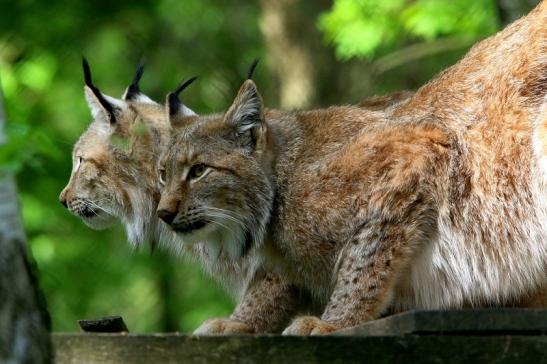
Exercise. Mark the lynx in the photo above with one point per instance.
(111, 159)
(114, 175)
(436, 202)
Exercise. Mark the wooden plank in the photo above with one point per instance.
(173, 348)
(477, 321)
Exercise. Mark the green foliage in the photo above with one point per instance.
(366, 28)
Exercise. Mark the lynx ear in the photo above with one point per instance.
(246, 115)
(101, 106)
(174, 107)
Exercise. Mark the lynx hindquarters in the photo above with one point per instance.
(489, 242)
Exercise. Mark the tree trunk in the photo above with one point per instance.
(288, 46)
(24, 321)
(306, 70)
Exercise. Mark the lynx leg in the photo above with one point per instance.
(369, 269)
(266, 307)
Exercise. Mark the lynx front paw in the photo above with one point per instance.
(309, 325)
(222, 326)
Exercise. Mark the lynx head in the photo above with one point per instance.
(217, 185)
(115, 159)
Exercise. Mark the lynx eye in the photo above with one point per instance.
(78, 162)
(162, 176)
(197, 171)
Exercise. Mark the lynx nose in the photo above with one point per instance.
(62, 200)
(166, 215)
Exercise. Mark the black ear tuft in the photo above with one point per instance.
(108, 108)
(134, 89)
(184, 84)
(252, 68)
(87, 73)
(173, 102)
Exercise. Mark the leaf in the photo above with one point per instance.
(363, 28)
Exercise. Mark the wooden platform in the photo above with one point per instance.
(471, 336)
(463, 322)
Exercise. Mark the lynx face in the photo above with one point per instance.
(114, 162)
(216, 186)
(92, 193)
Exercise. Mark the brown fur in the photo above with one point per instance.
(110, 162)
(439, 201)
(117, 179)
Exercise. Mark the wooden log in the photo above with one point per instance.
(466, 336)
(173, 348)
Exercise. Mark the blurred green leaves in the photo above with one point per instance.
(367, 28)
(37, 73)
(429, 19)
(359, 27)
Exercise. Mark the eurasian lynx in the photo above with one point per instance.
(437, 202)
(114, 176)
